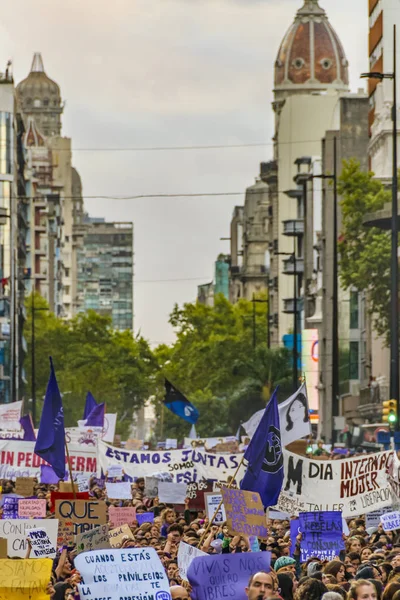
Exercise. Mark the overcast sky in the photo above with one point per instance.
(145, 73)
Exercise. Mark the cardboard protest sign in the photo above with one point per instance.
(32, 508)
(212, 501)
(147, 517)
(85, 514)
(151, 487)
(229, 447)
(3, 548)
(124, 573)
(66, 486)
(42, 547)
(16, 532)
(121, 515)
(10, 507)
(245, 513)
(391, 521)
(233, 570)
(133, 444)
(29, 582)
(24, 486)
(353, 486)
(119, 491)
(172, 493)
(118, 535)
(65, 536)
(321, 535)
(114, 471)
(95, 539)
(186, 554)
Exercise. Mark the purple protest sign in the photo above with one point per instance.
(47, 475)
(144, 518)
(10, 508)
(210, 575)
(322, 535)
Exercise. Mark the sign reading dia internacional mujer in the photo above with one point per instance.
(353, 486)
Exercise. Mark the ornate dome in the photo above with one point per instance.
(40, 97)
(311, 56)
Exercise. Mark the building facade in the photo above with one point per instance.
(105, 271)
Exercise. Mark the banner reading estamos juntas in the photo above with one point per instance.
(184, 466)
(353, 486)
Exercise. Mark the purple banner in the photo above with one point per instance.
(210, 576)
(48, 476)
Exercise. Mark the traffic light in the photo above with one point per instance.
(389, 412)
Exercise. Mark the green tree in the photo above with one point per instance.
(213, 362)
(364, 251)
(89, 355)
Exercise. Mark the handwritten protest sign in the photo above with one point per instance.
(41, 545)
(124, 573)
(121, 515)
(233, 570)
(67, 496)
(119, 491)
(82, 481)
(391, 521)
(65, 536)
(322, 535)
(186, 554)
(16, 532)
(118, 535)
(85, 514)
(10, 507)
(31, 509)
(212, 501)
(172, 493)
(244, 512)
(373, 519)
(114, 471)
(24, 486)
(31, 581)
(147, 517)
(95, 539)
(195, 492)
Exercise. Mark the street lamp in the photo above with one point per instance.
(394, 276)
(33, 370)
(335, 292)
(295, 359)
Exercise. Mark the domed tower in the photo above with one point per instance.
(39, 97)
(311, 57)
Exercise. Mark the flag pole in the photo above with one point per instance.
(220, 504)
(69, 468)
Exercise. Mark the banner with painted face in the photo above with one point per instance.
(184, 466)
(353, 486)
(18, 459)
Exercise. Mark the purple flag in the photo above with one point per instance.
(50, 443)
(96, 417)
(90, 404)
(27, 426)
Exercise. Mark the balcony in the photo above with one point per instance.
(288, 305)
(254, 271)
(371, 398)
(293, 267)
(42, 250)
(293, 227)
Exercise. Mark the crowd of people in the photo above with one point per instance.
(368, 568)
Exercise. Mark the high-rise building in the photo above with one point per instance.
(105, 271)
(56, 194)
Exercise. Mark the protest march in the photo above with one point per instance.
(245, 520)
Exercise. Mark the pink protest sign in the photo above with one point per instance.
(31, 509)
(121, 515)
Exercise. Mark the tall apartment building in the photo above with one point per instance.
(105, 271)
(56, 204)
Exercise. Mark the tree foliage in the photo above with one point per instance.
(214, 363)
(89, 354)
(364, 251)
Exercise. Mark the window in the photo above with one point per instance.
(354, 315)
(353, 358)
(37, 103)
